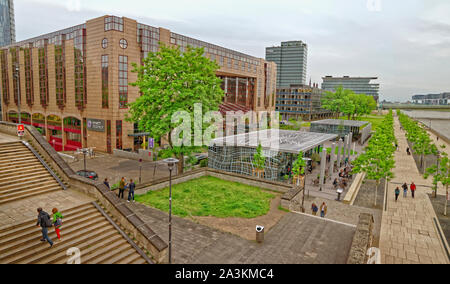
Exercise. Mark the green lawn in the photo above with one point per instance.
(376, 120)
(210, 196)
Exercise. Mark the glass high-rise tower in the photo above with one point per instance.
(291, 59)
(7, 24)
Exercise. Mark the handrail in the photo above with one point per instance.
(130, 241)
(44, 164)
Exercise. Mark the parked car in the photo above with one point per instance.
(88, 174)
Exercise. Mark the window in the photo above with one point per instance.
(123, 43)
(119, 134)
(5, 81)
(60, 75)
(16, 79)
(105, 82)
(123, 81)
(29, 76)
(114, 23)
(105, 43)
(43, 76)
(80, 68)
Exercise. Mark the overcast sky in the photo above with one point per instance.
(406, 43)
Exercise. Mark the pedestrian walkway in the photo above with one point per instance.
(408, 233)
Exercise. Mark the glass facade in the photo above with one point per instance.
(123, 81)
(79, 38)
(29, 92)
(43, 75)
(16, 79)
(291, 59)
(60, 69)
(359, 85)
(7, 26)
(5, 77)
(105, 81)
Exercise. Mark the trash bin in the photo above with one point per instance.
(259, 234)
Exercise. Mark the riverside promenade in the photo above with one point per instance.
(408, 233)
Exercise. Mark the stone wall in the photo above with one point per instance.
(143, 154)
(142, 233)
(362, 240)
(248, 180)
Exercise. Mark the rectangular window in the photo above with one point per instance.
(79, 37)
(5, 79)
(114, 23)
(29, 76)
(105, 82)
(119, 134)
(16, 79)
(123, 81)
(43, 76)
(60, 74)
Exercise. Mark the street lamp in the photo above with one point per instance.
(171, 162)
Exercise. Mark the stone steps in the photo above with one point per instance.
(84, 227)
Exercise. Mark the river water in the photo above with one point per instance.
(439, 121)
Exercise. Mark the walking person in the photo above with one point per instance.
(44, 222)
(131, 187)
(323, 210)
(405, 190)
(314, 209)
(413, 189)
(57, 222)
(106, 182)
(397, 193)
(121, 187)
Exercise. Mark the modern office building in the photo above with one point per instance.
(7, 24)
(74, 83)
(291, 59)
(301, 102)
(7, 28)
(432, 99)
(360, 85)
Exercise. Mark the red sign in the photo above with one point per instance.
(20, 127)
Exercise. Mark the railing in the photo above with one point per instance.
(45, 164)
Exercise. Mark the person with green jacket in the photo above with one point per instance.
(57, 222)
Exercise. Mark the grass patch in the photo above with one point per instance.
(283, 209)
(210, 196)
(376, 120)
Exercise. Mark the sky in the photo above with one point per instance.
(406, 43)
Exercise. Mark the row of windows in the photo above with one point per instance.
(114, 23)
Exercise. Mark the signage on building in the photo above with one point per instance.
(96, 125)
(151, 143)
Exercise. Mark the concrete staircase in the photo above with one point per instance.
(22, 175)
(84, 227)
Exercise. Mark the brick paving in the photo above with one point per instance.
(296, 239)
(408, 235)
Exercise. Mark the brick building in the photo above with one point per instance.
(74, 83)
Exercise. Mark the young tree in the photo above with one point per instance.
(259, 161)
(171, 81)
(440, 173)
(336, 101)
(377, 161)
(298, 168)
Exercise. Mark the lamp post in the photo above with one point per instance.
(140, 171)
(171, 162)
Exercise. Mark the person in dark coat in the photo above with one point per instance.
(131, 187)
(44, 222)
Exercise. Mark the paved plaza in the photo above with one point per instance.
(296, 239)
(408, 235)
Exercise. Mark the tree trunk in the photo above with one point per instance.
(180, 169)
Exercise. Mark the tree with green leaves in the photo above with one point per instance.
(298, 168)
(378, 159)
(171, 81)
(440, 174)
(259, 161)
(336, 101)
